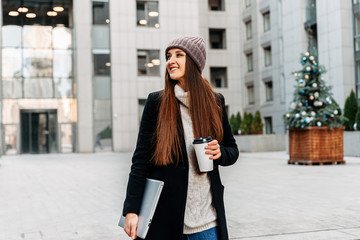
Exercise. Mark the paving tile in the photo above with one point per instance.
(80, 197)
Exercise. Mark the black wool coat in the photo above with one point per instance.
(168, 220)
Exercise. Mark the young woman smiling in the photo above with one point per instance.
(191, 205)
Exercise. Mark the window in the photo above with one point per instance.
(247, 3)
(267, 55)
(249, 58)
(148, 62)
(248, 30)
(217, 38)
(357, 31)
(266, 17)
(358, 79)
(269, 91)
(216, 5)
(268, 125)
(101, 62)
(218, 77)
(147, 13)
(250, 93)
(36, 67)
(101, 12)
(43, 13)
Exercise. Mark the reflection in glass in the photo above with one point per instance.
(102, 110)
(10, 111)
(62, 38)
(11, 63)
(38, 88)
(102, 87)
(103, 136)
(37, 63)
(147, 13)
(62, 63)
(10, 139)
(101, 64)
(148, 62)
(100, 12)
(100, 37)
(11, 36)
(12, 88)
(37, 36)
(66, 138)
(63, 87)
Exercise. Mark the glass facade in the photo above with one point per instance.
(101, 75)
(38, 94)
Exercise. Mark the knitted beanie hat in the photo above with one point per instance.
(194, 46)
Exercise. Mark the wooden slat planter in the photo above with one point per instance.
(316, 146)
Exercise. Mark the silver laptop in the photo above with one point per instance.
(149, 202)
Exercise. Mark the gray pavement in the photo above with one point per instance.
(80, 196)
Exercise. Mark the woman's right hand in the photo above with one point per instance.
(131, 223)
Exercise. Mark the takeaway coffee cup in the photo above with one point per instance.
(205, 163)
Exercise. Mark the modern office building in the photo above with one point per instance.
(76, 74)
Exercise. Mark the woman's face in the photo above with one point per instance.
(175, 64)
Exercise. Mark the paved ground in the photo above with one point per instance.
(79, 196)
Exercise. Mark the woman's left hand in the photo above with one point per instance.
(213, 149)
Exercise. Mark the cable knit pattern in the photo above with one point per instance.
(200, 214)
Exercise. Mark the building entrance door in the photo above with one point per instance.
(38, 131)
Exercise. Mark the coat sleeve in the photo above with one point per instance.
(141, 157)
(228, 146)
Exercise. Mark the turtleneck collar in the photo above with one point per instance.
(181, 95)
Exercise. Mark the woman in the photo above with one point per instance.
(191, 204)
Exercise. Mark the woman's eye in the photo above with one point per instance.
(179, 55)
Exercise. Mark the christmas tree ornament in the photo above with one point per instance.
(314, 85)
(304, 59)
(336, 112)
(293, 105)
(311, 58)
(306, 76)
(287, 115)
(307, 54)
(315, 64)
(316, 94)
(300, 104)
(308, 68)
(318, 124)
(313, 113)
(303, 113)
(297, 115)
(307, 119)
(295, 74)
(311, 97)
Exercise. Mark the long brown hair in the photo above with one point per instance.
(205, 111)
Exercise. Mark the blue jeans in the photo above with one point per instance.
(210, 234)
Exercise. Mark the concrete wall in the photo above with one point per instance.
(83, 72)
(261, 143)
(351, 144)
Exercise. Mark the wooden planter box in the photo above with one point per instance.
(316, 145)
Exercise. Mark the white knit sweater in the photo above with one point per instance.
(200, 214)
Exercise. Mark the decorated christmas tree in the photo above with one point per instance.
(313, 104)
